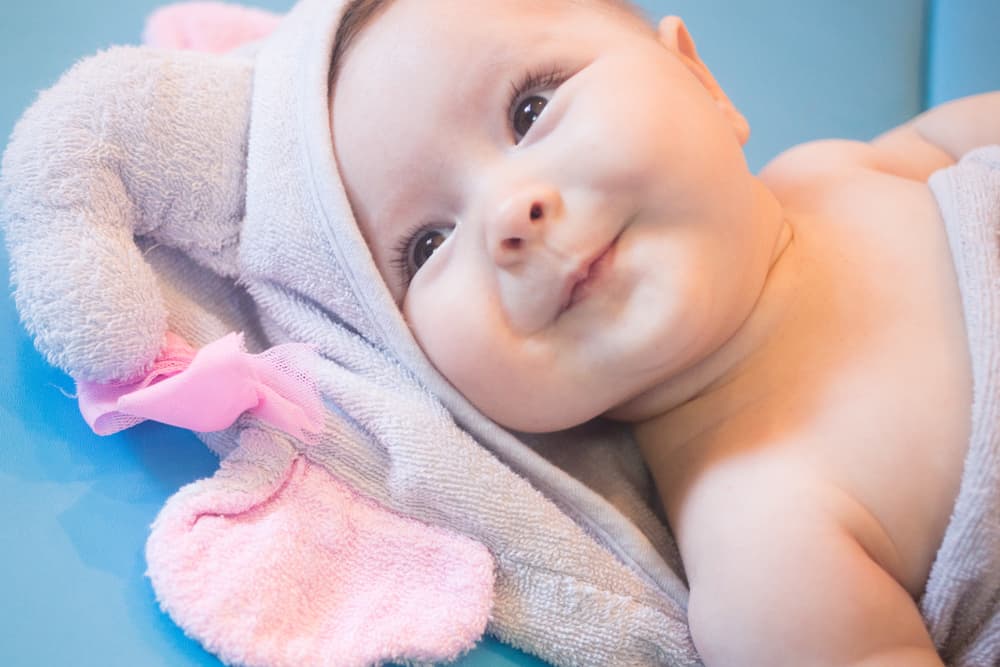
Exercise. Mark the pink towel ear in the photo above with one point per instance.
(212, 27)
(286, 565)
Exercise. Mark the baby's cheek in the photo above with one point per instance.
(460, 344)
(451, 330)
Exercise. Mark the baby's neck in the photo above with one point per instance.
(652, 413)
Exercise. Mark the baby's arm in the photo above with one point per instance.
(783, 582)
(940, 136)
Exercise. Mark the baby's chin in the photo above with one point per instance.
(535, 423)
(627, 412)
(535, 416)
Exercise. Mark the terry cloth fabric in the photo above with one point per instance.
(153, 192)
(961, 603)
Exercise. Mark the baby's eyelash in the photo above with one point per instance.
(532, 81)
(400, 259)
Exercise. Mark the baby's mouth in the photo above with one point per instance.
(581, 282)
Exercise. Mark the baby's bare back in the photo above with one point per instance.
(830, 464)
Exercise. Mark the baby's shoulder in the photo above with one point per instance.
(902, 153)
(819, 164)
(847, 180)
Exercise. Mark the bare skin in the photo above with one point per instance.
(790, 347)
(827, 460)
(841, 437)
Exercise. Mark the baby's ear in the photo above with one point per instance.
(674, 35)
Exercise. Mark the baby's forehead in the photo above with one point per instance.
(421, 87)
(361, 14)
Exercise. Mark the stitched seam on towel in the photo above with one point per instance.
(568, 576)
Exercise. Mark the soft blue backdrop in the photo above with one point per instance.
(74, 508)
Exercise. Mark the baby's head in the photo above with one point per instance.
(554, 192)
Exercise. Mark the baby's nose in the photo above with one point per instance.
(520, 221)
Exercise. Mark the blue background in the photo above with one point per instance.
(75, 508)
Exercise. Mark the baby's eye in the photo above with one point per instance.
(526, 113)
(415, 250)
(529, 96)
(425, 243)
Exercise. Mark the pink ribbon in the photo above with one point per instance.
(208, 389)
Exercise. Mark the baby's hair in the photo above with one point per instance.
(356, 16)
(358, 13)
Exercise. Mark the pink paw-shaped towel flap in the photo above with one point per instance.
(273, 561)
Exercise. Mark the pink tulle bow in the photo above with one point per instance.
(208, 389)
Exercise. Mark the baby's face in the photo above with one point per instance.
(554, 199)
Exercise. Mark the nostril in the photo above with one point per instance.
(536, 211)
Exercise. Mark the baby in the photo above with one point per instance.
(557, 198)
(535, 214)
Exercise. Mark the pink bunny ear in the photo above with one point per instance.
(275, 562)
(212, 27)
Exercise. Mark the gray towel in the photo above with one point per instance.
(961, 603)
